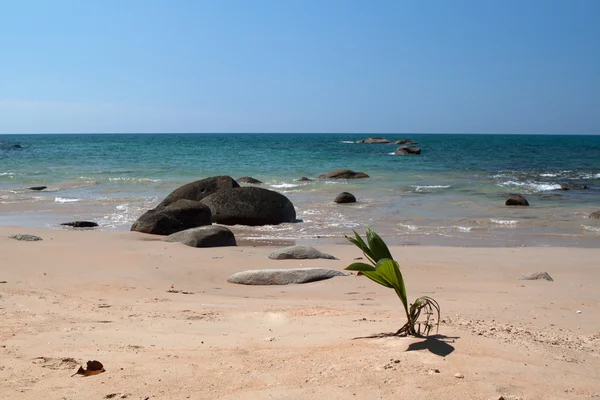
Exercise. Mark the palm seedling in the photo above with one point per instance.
(385, 271)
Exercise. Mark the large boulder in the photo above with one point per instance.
(178, 216)
(249, 179)
(204, 236)
(345, 197)
(299, 253)
(283, 276)
(374, 140)
(407, 151)
(343, 174)
(516, 200)
(595, 215)
(199, 189)
(250, 206)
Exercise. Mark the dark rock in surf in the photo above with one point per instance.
(284, 276)
(407, 150)
(343, 174)
(345, 197)
(17, 146)
(595, 215)
(249, 205)
(374, 140)
(248, 179)
(178, 216)
(38, 187)
(304, 179)
(80, 224)
(572, 186)
(198, 190)
(299, 253)
(536, 276)
(204, 236)
(516, 200)
(26, 238)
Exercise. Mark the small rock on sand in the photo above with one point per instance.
(26, 238)
(299, 253)
(283, 276)
(535, 276)
(459, 375)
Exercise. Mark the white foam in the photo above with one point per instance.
(509, 222)
(129, 179)
(409, 227)
(463, 228)
(536, 186)
(347, 141)
(591, 228)
(285, 185)
(7, 174)
(425, 187)
(549, 175)
(63, 200)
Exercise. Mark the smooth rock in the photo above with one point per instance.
(374, 140)
(26, 238)
(407, 151)
(204, 236)
(198, 190)
(38, 187)
(284, 276)
(299, 253)
(516, 200)
(250, 205)
(537, 275)
(248, 179)
(80, 224)
(343, 174)
(458, 375)
(178, 216)
(345, 197)
(595, 215)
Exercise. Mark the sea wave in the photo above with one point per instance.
(532, 185)
(135, 180)
(591, 228)
(285, 185)
(508, 222)
(424, 188)
(347, 141)
(64, 200)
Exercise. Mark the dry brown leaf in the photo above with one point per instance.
(93, 368)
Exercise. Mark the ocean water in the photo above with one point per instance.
(451, 194)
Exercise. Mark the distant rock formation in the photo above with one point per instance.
(374, 140)
(407, 150)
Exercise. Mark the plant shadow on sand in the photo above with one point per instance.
(436, 344)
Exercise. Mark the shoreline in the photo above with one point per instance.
(105, 296)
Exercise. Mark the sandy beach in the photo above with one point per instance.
(166, 324)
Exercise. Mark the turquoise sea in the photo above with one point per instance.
(451, 194)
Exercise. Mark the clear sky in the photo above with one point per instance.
(524, 66)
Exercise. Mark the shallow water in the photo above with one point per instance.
(453, 193)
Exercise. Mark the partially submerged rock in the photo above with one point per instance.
(249, 179)
(304, 179)
(343, 174)
(80, 224)
(284, 276)
(198, 190)
(374, 140)
(345, 197)
(516, 200)
(595, 215)
(535, 276)
(407, 150)
(38, 187)
(572, 186)
(299, 253)
(204, 236)
(26, 238)
(252, 206)
(178, 216)
(404, 141)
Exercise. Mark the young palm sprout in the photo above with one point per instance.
(385, 271)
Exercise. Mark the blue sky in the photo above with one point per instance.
(300, 66)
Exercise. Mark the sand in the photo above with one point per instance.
(165, 323)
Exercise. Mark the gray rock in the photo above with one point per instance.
(248, 179)
(299, 253)
(404, 141)
(343, 174)
(26, 238)
(374, 140)
(178, 216)
(198, 190)
(345, 197)
(304, 179)
(37, 187)
(407, 151)
(204, 236)
(80, 224)
(284, 276)
(516, 200)
(535, 276)
(252, 206)
(595, 215)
